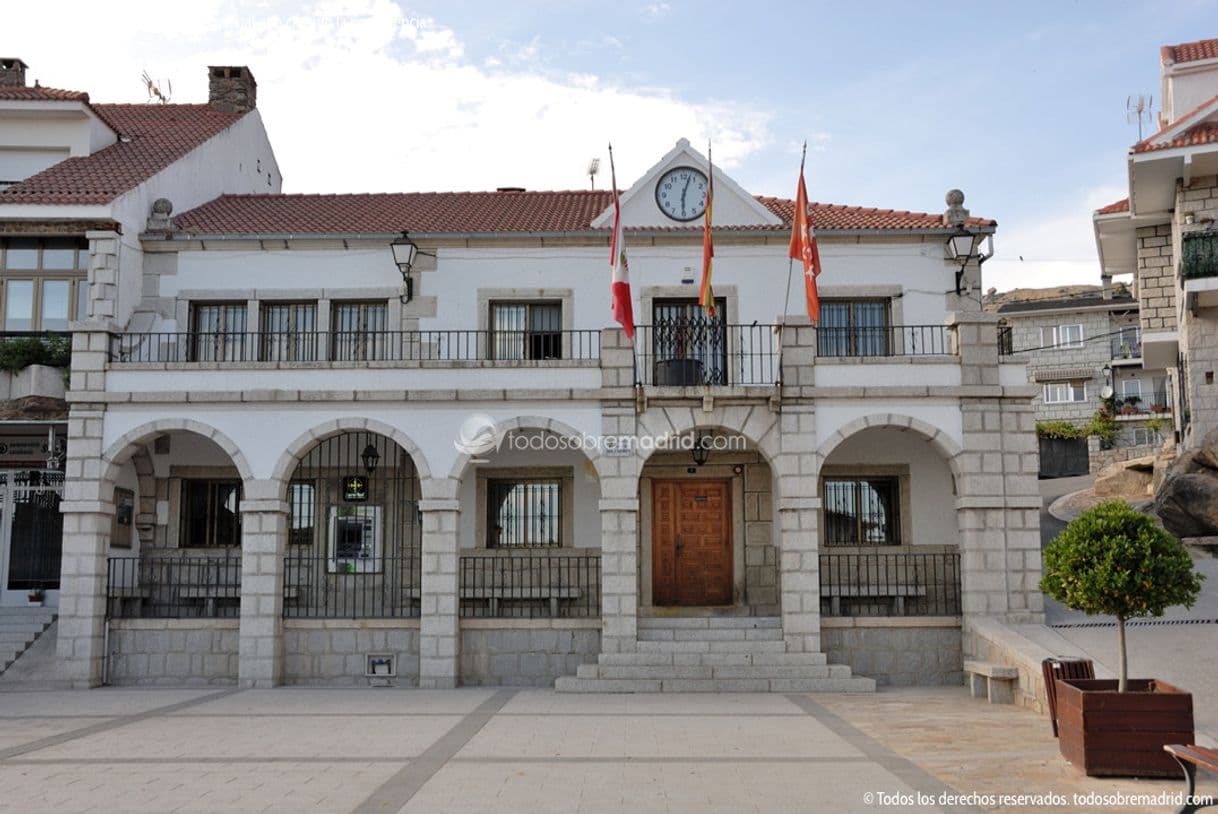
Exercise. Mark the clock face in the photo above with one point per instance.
(681, 193)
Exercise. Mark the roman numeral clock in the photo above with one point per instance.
(681, 193)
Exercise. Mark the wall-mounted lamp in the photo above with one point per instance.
(702, 448)
(404, 253)
(963, 245)
(370, 457)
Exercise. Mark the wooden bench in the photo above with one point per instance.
(993, 681)
(1190, 759)
(897, 593)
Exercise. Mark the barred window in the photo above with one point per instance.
(854, 328)
(359, 332)
(526, 330)
(523, 513)
(862, 511)
(211, 513)
(218, 332)
(289, 332)
(302, 503)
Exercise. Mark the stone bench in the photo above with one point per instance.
(993, 681)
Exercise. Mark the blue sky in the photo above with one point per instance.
(1022, 105)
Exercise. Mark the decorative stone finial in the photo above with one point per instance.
(158, 220)
(956, 214)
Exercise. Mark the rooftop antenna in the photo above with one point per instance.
(1137, 108)
(594, 166)
(153, 86)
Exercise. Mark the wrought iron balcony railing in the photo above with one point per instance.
(890, 584)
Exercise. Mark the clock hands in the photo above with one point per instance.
(684, 190)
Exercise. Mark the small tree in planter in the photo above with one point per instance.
(1113, 560)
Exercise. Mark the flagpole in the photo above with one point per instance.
(786, 305)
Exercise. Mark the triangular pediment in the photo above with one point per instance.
(733, 206)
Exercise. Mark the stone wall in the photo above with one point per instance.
(760, 554)
(1100, 458)
(526, 652)
(1092, 356)
(898, 651)
(1156, 278)
(331, 652)
(1199, 329)
(173, 652)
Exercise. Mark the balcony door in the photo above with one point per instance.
(854, 328)
(690, 347)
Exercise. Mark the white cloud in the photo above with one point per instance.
(1057, 248)
(357, 96)
(656, 10)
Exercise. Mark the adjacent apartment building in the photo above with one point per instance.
(1084, 353)
(1164, 234)
(77, 181)
(398, 437)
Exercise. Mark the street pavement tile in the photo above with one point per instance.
(642, 736)
(215, 788)
(20, 731)
(101, 702)
(671, 788)
(253, 736)
(357, 701)
(548, 701)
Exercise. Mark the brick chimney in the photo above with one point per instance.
(231, 88)
(12, 72)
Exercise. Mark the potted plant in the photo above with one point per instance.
(1115, 561)
(35, 597)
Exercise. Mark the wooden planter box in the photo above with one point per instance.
(1110, 734)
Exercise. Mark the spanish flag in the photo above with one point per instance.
(619, 269)
(706, 295)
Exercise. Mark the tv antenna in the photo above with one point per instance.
(155, 93)
(594, 166)
(1137, 108)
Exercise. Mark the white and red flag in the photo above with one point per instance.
(623, 309)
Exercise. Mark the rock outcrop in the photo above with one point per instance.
(1126, 478)
(1187, 501)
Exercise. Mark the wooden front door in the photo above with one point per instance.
(691, 542)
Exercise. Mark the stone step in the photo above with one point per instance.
(26, 610)
(728, 646)
(709, 622)
(750, 671)
(574, 684)
(724, 634)
(713, 659)
(18, 637)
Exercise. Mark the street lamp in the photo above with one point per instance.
(701, 450)
(962, 247)
(404, 253)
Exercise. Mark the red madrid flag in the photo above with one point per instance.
(803, 247)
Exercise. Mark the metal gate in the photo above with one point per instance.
(1063, 457)
(33, 528)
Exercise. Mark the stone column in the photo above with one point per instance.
(103, 274)
(87, 507)
(439, 625)
(264, 532)
(797, 502)
(998, 501)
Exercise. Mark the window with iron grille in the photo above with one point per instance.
(211, 514)
(685, 334)
(44, 285)
(862, 511)
(217, 331)
(302, 507)
(854, 328)
(526, 330)
(288, 331)
(523, 512)
(359, 331)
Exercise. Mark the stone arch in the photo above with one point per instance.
(942, 443)
(306, 441)
(757, 423)
(118, 453)
(529, 422)
(145, 475)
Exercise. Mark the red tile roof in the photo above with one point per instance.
(1114, 207)
(151, 138)
(1190, 51)
(1204, 133)
(41, 94)
(481, 212)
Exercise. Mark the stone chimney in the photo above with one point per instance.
(12, 72)
(231, 88)
(1106, 285)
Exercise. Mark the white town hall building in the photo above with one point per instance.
(275, 470)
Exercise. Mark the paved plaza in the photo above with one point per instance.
(476, 750)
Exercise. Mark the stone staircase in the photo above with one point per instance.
(712, 654)
(19, 627)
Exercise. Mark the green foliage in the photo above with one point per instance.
(1103, 426)
(1114, 560)
(1060, 429)
(21, 352)
(1156, 424)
